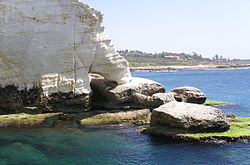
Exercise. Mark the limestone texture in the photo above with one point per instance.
(47, 49)
(153, 101)
(132, 117)
(193, 117)
(189, 95)
(111, 95)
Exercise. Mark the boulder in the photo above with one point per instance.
(189, 95)
(193, 117)
(163, 98)
(111, 95)
(47, 49)
(153, 101)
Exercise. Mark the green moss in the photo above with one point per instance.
(237, 129)
(23, 119)
(22, 116)
(114, 117)
(210, 102)
(245, 122)
(237, 132)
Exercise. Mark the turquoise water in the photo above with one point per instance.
(111, 147)
(127, 146)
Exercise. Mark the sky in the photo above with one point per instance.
(207, 27)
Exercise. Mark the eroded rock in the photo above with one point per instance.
(193, 117)
(153, 101)
(47, 49)
(133, 117)
(189, 95)
(111, 95)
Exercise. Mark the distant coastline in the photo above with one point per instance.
(173, 62)
(193, 67)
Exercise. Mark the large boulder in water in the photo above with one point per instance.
(193, 117)
(189, 95)
(111, 95)
(47, 49)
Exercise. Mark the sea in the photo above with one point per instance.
(126, 145)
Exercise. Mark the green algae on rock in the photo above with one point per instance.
(85, 119)
(134, 117)
(213, 103)
(238, 132)
(23, 120)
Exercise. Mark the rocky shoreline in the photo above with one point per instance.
(181, 136)
(182, 68)
(117, 119)
(97, 118)
(70, 71)
(238, 132)
(181, 114)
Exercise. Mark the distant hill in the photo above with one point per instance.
(139, 58)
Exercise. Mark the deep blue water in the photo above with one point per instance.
(226, 85)
(127, 146)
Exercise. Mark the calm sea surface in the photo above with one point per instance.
(127, 146)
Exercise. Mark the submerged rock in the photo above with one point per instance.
(189, 95)
(193, 117)
(15, 152)
(47, 49)
(111, 95)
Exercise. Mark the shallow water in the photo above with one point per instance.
(116, 146)
(127, 146)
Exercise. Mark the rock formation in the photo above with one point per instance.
(153, 101)
(111, 95)
(193, 117)
(189, 95)
(47, 49)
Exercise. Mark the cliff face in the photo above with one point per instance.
(47, 49)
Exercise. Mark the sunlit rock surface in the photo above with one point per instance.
(189, 95)
(193, 117)
(138, 93)
(47, 49)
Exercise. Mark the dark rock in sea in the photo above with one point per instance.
(14, 100)
(66, 102)
(193, 117)
(110, 95)
(189, 95)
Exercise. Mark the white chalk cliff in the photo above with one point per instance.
(53, 45)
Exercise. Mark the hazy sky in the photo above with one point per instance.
(207, 27)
